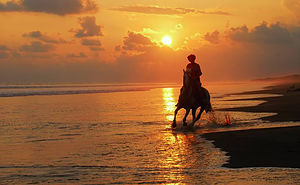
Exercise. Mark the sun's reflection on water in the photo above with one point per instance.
(174, 156)
(169, 103)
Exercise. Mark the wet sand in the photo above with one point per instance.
(270, 147)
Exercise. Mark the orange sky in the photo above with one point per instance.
(44, 41)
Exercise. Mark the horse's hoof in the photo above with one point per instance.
(174, 125)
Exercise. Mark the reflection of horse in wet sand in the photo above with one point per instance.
(191, 98)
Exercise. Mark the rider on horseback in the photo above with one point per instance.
(194, 71)
(192, 94)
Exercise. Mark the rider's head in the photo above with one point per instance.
(191, 58)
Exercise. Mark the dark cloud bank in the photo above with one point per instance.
(167, 11)
(58, 7)
(43, 37)
(36, 46)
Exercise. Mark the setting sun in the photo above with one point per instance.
(166, 40)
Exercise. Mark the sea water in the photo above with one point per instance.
(121, 134)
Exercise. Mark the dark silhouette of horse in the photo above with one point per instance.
(191, 97)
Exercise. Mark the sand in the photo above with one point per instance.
(269, 147)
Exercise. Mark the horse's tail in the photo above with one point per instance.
(207, 104)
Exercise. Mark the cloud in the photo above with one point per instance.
(118, 48)
(89, 28)
(226, 60)
(263, 34)
(94, 45)
(80, 55)
(10, 6)
(33, 34)
(42, 37)
(54, 71)
(58, 7)
(3, 54)
(137, 42)
(167, 11)
(264, 50)
(179, 27)
(212, 37)
(90, 42)
(3, 48)
(37, 46)
(96, 48)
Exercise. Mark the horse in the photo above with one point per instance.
(189, 99)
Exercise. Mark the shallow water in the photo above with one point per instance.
(122, 138)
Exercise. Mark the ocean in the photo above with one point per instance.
(121, 134)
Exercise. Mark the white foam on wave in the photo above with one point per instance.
(33, 90)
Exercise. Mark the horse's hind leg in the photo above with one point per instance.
(174, 120)
(198, 116)
(185, 116)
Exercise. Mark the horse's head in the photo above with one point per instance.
(186, 79)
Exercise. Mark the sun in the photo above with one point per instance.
(166, 40)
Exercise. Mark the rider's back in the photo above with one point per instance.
(194, 70)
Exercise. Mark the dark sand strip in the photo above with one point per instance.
(270, 147)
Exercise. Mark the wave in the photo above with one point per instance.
(34, 90)
(82, 85)
(13, 94)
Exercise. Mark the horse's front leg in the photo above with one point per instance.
(194, 114)
(185, 116)
(198, 116)
(174, 120)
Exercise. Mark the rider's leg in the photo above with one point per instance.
(201, 94)
(199, 84)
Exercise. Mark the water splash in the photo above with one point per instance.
(218, 120)
(221, 118)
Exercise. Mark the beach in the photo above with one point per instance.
(271, 147)
(268, 147)
(121, 134)
(150, 92)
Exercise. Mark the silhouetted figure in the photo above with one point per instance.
(192, 94)
(194, 70)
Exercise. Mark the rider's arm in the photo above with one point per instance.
(188, 67)
(199, 72)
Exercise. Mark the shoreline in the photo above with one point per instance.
(266, 147)
(286, 106)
